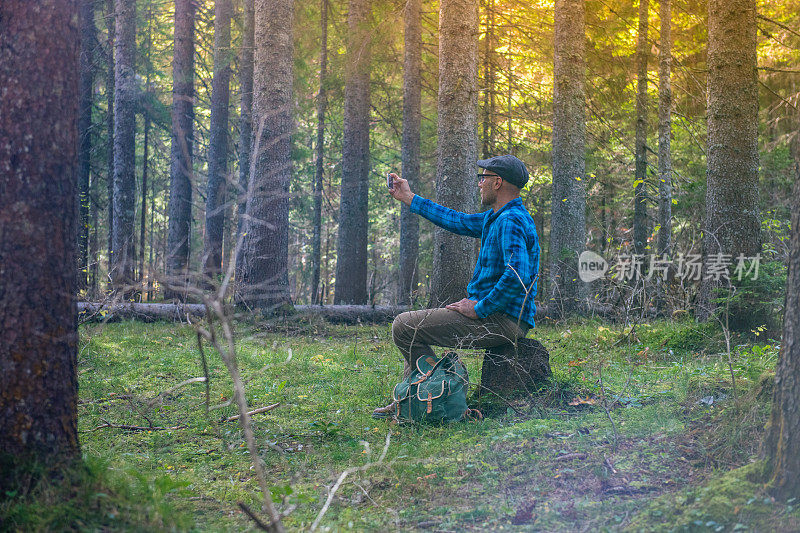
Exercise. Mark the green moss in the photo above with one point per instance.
(734, 501)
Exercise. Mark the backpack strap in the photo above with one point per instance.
(473, 415)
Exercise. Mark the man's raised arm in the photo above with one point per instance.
(449, 219)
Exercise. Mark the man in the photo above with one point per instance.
(499, 308)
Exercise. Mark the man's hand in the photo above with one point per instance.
(465, 306)
(401, 191)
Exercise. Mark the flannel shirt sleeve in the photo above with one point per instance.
(455, 221)
(513, 246)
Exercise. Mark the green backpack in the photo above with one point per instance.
(435, 391)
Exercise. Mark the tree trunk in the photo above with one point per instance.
(665, 133)
(39, 50)
(512, 369)
(110, 25)
(640, 230)
(218, 140)
(351, 249)
(246, 111)
(88, 40)
(732, 222)
(782, 441)
(568, 226)
(181, 170)
(123, 257)
(145, 157)
(316, 240)
(263, 272)
(456, 181)
(412, 119)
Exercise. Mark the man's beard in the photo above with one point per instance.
(487, 200)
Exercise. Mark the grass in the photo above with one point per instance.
(544, 465)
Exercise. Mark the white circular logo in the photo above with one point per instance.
(591, 266)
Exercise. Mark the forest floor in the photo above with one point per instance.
(671, 445)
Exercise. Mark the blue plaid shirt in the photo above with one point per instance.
(508, 243)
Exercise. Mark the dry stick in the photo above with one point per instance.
(254, 517)
(167, 392)
(136, 428)
(605, 406)
(570, 456)
(229, 357)
(344, 475)
(205, 371)
(254, 412)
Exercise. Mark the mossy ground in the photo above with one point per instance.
(540, 464)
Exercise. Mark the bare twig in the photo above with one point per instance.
(570, 456)
(167, 392)
(254, 517)
(344, 475)
(604, 403)
(137, 428)
(253, 412)
(205, 371)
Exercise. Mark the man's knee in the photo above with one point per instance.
(400, 327)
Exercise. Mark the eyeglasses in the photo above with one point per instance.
(482, 177)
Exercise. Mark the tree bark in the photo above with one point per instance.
(322, 101)
(515, 368)
(39, 81)
(665, 132)
(782, 442)
(412, 119)
(568, 226)
(218, 140)
(246, 110)
(732, 220)
(88, 42)
(181, 169)
(640, 230)
(263, 270)
(123, 257)
(351, 249)
(456, 181)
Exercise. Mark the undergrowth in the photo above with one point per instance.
(565, 457)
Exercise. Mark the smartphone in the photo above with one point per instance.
(389, 180)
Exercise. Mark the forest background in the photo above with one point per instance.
(515, 116)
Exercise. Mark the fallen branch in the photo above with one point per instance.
(167, 392)
(253, 412)
(347, 472)
(137, 428)
(261, 525)
(570, 456)
(346, 314)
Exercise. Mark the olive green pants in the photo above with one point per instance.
(414, 332)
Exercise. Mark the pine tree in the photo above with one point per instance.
(263, 267)
(351, 249)
(412, 118)
(39, 47)
(181, 169)
(218, 140)
(456, 181)
(126, 92)
(568, 226)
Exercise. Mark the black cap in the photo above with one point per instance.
(507, 167)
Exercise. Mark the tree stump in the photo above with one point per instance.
(508, 369)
